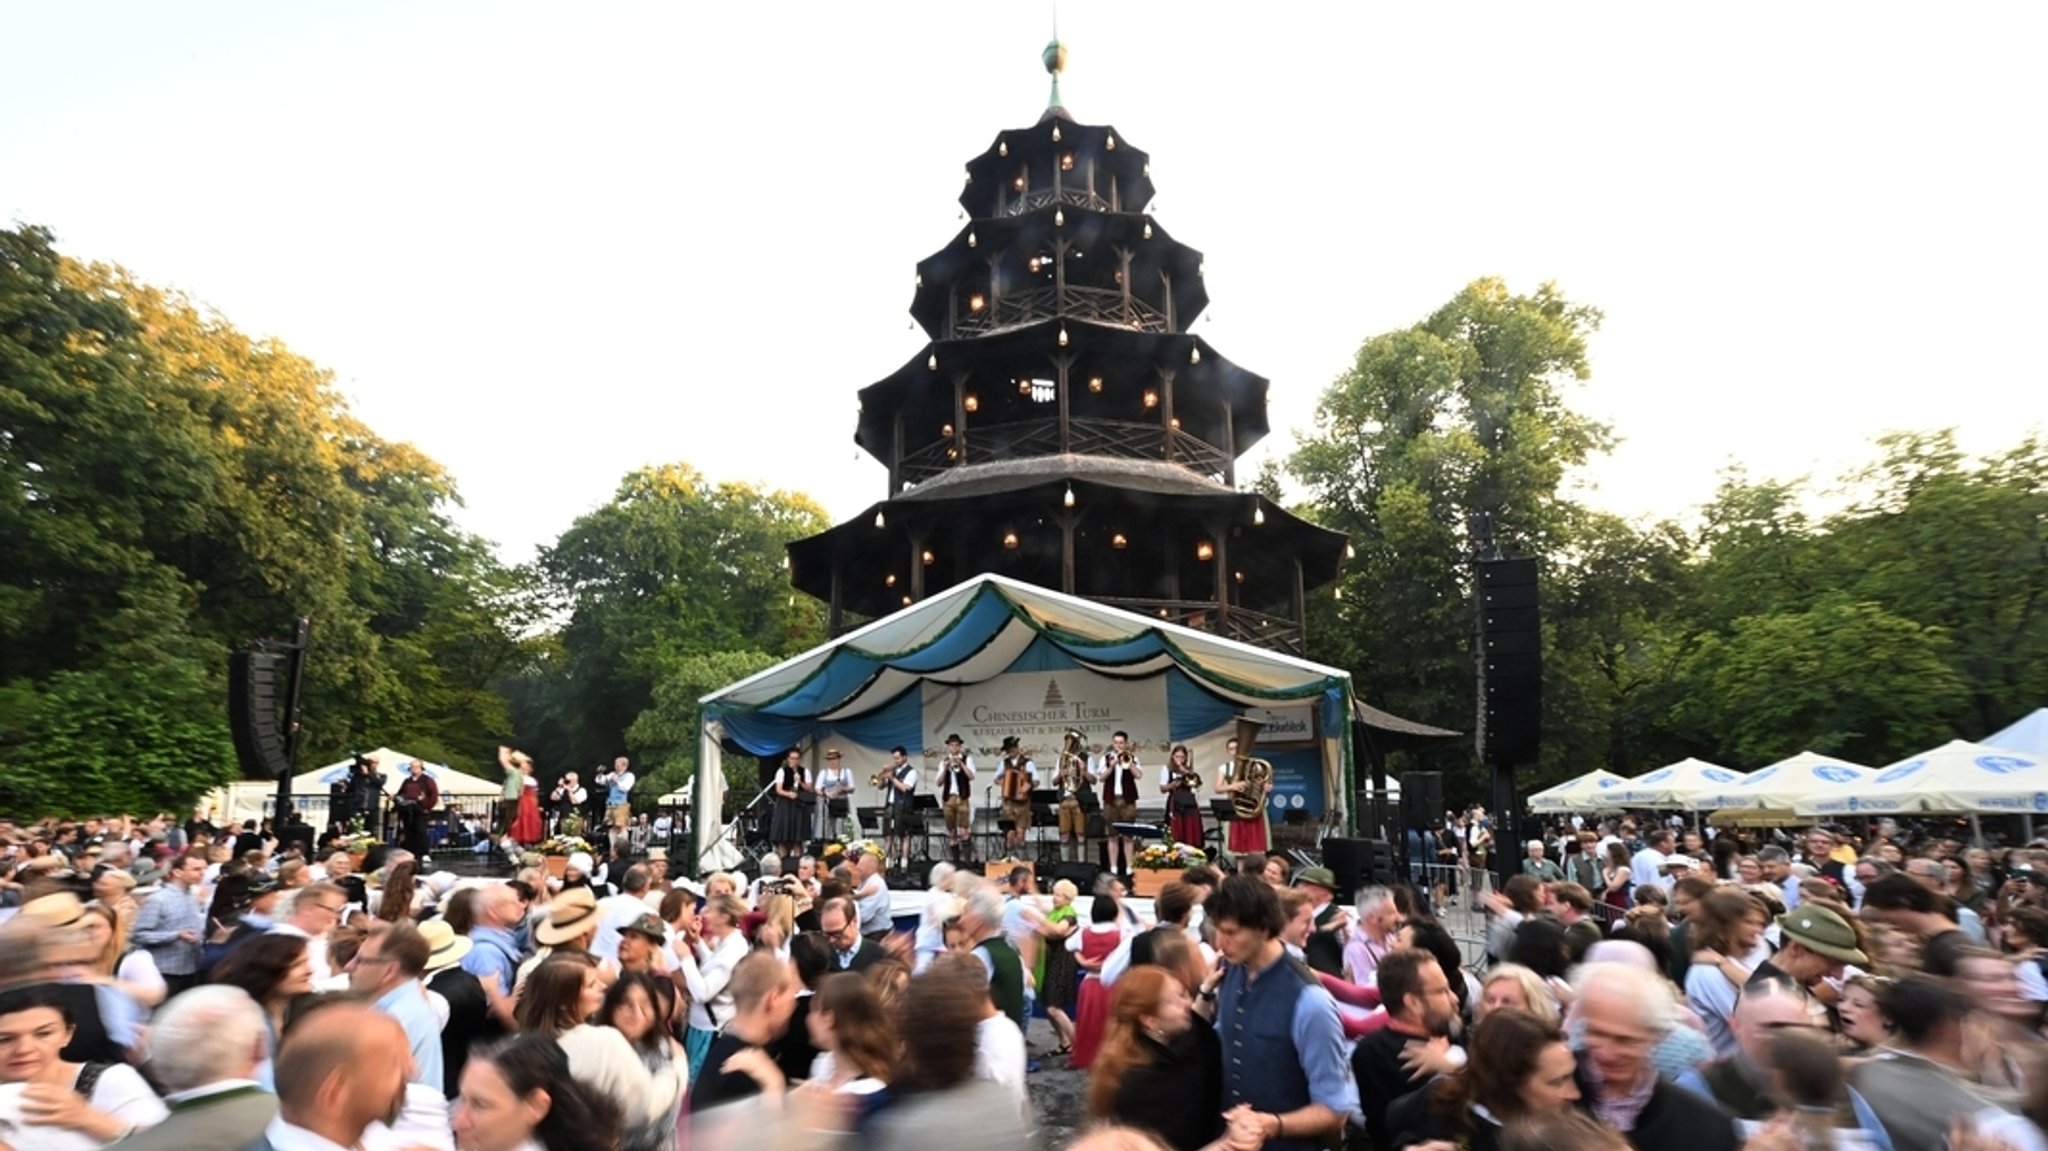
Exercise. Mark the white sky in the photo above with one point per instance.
(552, 242)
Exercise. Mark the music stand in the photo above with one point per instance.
(1225, 815)
(921, 806)
(1045, 802)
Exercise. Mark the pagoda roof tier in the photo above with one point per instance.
(1135, 533)
(1010, 379)
(1009, 262)
(1088, 166)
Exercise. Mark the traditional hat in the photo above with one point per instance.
(649, 925)
(831, 753)
(657, 853)
(1010, 742)
(1322, 877)
(1822, 932)
(955, 738)
(570, 916)
(57, 909)
(444, 947)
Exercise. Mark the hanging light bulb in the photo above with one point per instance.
(1194, 355)
(1240, 576)
(1205, 550)
(1002, 147)
(1175, 421)
(906, 601)
(1063, 335)
(1010, 539)
(969, 177)
(920, 279)
(928, 557)
(785, 561)
(1350, 552)
(946, 430)
(1258, 515)
(1066, 161)
(1148, 169)
(1018, 183)
(1059, 217)
(1148, 229)
(1055, 133)
(1068, 499)
(970, 239)
(1118, 541)
(931, 362)
(890, 580)
(1023, 387)
(972, 403)
(1110, 143)
(880, 522)
(1151, 398)
(977, 302)
(1094, 383)
(1340, 593)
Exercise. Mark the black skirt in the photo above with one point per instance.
(791, 822)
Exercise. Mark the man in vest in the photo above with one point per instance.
(1118, 771)
(956, 794)
(618, 799)
(981, 919)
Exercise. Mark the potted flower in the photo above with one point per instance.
(555, 852)
(1157, 864)
(357, 842)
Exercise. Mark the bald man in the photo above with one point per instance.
(340, 1069)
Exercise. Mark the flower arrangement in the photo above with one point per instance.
(866, 847)
(1170, 857)
(358, 838)
(564, 845)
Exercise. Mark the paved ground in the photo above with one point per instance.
(1057, 1094)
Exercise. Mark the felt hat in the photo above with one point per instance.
(1010, 743)
(1822, 932)
(657, 853)
(955, 738)
(444, 948)
(831, 753)
(650, 926)
(570, 916)
(1321, 877)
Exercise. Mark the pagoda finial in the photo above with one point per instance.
(1055, 58)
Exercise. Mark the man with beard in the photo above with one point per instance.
(1420, 1010)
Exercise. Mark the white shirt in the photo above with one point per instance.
(1647, 867)
(999, 1057)
(285, 1137)
(613, 913)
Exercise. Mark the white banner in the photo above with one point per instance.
(1285, 724)
(1038, 708)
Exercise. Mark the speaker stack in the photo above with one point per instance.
(1422, 800)
(257, 684)
(1510, 663)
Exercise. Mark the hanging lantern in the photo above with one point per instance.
(1194, 355)
(932, 362)
(1205, 550)
(879, 521)
(1002, 147)
(970, 239)
(972, 403)
(1010, 540)
(1068, 499)
(1095, 383)
(1258, 515)
(928, 557)
(1148, 229)
(1059, 217)
(1055, 133)
(1118, 541)
(1063, 335)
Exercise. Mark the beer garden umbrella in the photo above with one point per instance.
(1672, 786)
(1779, 786)
(1588, 792)
(1958, 777)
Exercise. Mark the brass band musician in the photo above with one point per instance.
(1179, 781)
(1077, 800)
(956, 796)
(1246, 836)
(1014, 783)
(835, 787)
(899, 782)
(1118, 772)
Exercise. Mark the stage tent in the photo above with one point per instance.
(1956, 778)
(2028, 737)
(993, 657)
(1672, 786)
(255, 799)
(1588, 792)
(1780, 786)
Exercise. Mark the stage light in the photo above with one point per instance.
(1205, 550)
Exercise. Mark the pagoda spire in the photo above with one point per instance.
(1055, 60)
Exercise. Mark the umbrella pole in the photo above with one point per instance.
(1976, 831)
(2027, 826)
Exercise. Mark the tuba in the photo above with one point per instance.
(1249, 801)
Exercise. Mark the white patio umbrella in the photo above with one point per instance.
(1588, 792)
(1957, 777)
(1780, 786)
(1673, 785)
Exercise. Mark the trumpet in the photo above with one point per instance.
(881, 778)
(1188, 776)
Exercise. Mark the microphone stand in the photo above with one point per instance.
(725, 834)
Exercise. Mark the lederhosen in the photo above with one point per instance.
(903, 804)
(1119, 791)
(1016, 810)
(956, 792)
(1073, 810)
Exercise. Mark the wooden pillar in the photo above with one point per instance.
(1222, 577)
(1068, 520)
(917, 542)
(1229, 445)
(1123, 278)
(896, 454)
(1060, 364)
(1166, 299)
(835, 620)
(960, 418)
(1166, 414)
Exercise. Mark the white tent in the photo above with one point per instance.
(994, 657)
(1957, 777)
(2028, 737)
(1673, 785)
(254, 799)
(1783, 784)
(1589, 792)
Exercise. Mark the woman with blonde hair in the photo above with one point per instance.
(1062, 976)
(1513, 985)
(707, 951)
(131, 971)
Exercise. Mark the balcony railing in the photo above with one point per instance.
(1038, 198)
(1024, 439)
(1272, 632)
(1100, 305)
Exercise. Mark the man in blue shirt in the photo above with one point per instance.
(1284, 1058)
(494, 958)
(388, 969)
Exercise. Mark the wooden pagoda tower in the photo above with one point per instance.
(1062, 427)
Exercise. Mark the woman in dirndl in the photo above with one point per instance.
(789, 826)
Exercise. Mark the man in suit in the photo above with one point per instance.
(341, 1068)
(840, 924)
(205, 1047)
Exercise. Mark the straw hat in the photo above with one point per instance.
(444, 948)
(57, 909)
(571, 915)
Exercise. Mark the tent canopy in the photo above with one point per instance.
(868, 688)
(1674, 785)
(1589, 792)
(1781, 785)
(2028, 737)
(254, 799)
(1956, 777)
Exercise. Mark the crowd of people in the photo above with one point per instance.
(161, 987)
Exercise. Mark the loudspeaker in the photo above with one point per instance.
(1358, 862)
(1422, 799)
(1081, 874)
(256, 686)
(1510, 662)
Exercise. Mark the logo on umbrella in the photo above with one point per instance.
(1658, 776)
(1716, 775)
(2003, 764)
(1834, 773)
(1901, 771)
